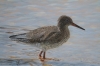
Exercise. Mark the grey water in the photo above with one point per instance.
(20, 16)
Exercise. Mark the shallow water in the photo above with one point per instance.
(19, 16)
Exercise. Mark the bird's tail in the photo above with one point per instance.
(19, 37)
(12, 36)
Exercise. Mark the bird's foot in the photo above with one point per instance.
(43, 59)
(52, 59)
(40, 57)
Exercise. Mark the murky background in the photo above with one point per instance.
(19, 16)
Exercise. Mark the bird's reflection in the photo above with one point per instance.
(46, 64)
(46, 61)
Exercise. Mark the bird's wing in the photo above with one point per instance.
(37, 35)
(42, 34)
(53, 37)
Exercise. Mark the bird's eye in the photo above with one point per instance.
(67, 20)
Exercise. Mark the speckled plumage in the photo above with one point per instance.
(48, 37)
(44, 36)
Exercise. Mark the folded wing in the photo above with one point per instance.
(38, 35)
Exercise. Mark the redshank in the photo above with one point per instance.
(48, 37)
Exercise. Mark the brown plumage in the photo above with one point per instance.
(48, 37)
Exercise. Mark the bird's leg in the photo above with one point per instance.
(44, 58)
(40, 54)
(40, 57)
(44, 55)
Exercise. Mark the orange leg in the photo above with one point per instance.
(44, 55)
(43, 58)
(40, 54)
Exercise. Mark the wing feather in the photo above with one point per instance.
(38, 35)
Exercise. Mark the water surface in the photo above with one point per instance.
(19, 16)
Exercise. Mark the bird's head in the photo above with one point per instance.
(66, 21)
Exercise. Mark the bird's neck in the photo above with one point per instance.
(64, 31)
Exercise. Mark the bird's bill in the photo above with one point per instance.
(73, 24)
